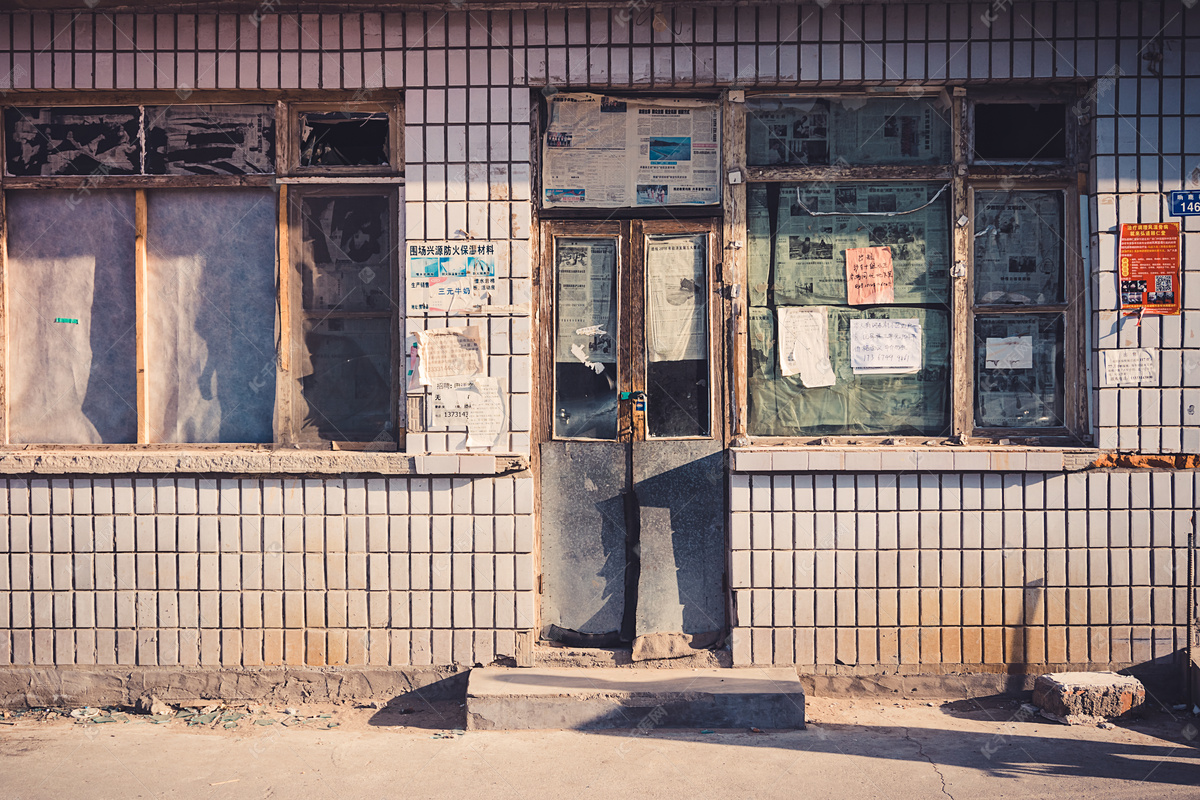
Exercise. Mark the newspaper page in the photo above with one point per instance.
(810, 260)
(1019, 396)
(449, 275)
(809, 131)
(676, 290)
(585, 271)
(758, 241)
(804, 345)
(603, 152)
(1018, 247)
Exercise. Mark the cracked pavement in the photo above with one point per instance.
(863, 747)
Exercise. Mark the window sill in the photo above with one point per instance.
(911, 459)
(258, 462)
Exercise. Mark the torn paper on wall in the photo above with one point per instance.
(1012, 352)
(676, 298)
(486, 421)
(450, 275)
(1130, 367)
(450, 354)
(412, 379)
(869, 278)
(804, 345)
(885, 346)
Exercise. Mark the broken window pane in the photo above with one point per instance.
(346, 252)
(856, 404)
(797, 257)
(343, 139)
(210, 337)
(585, 351)
(1019, 247)
(1019, 371)
(210, 140)
(98, 140)
(346, 380)
(71, 308)
(1020, 131)
(677, 385)
(813, 131)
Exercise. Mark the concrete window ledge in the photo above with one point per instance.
(253, 462)
(909, 459)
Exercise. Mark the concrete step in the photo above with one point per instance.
(500, 698)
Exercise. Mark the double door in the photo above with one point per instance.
(632, 469)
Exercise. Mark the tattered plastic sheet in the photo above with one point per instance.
(857, 403)
(58, 140)
(210, 139)
(73, 371)
(346, 254)
(345, 381)
(211, 314)
(817, 131)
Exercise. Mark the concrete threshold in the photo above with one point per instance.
(540, 698)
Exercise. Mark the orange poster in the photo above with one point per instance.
(869, 278)
(1149, 266)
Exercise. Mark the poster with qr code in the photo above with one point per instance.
(1149, 268)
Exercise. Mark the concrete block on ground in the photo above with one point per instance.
(1087, 698)
(596, 698)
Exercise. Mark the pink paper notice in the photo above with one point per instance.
(869, 278)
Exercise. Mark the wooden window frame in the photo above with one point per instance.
(963, 176)
(287, 105)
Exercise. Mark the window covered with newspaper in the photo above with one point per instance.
(867, 220)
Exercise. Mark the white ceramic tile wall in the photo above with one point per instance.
(928, 554)
(250, 572)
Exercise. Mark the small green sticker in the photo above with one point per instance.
(65, 319)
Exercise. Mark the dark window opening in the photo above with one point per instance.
(1008, 131)
(343, 139)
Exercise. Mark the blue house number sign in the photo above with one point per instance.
(1185, 204)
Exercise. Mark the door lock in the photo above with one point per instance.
(639, 395)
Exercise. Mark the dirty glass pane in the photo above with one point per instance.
(346, 252)
(796, 257)
(343, 139)
(210, 272)
(72, 141)
(677, 383)
(815, 131)
(856, 404)
(585, 349)
(210, 140)
(1019, 371)
(1018, 247)
(73, 371)
(346, 382)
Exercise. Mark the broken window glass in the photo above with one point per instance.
(210, 271)
(1018, 247)
(210, 140)
(585, 351)
(343, 139)
(798, 235)
(857, 403)
(102, 140)
(1019, 371)
(346, 252)
(677, 383)
(346, 380)
(72, 323)
(1020, 131)
(798, 131)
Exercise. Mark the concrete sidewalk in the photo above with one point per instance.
(865, 747)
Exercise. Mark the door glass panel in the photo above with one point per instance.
(677, 383)
(1019, 371)
(1018, 248)
(585, 348)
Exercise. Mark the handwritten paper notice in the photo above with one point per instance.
(804, 345)
(885, 346)
(1011, 352)
(1130, 367)
(869, 277)
(450, 353)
